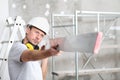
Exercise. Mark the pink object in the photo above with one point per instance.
(98, 42)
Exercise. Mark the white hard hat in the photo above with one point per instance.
(40, 23)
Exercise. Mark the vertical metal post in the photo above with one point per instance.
(52, 31)
(76, 53)
(98, 22)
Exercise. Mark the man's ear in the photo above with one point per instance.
(27, 29)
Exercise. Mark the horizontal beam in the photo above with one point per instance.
(83, 13)
(98, 12)
(58, 26)
(87, 71)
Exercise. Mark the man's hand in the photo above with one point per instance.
(43, 47)
(54, 50)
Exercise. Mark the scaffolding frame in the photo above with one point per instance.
(75, 24)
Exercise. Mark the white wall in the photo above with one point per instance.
(101, 5)
(4, 13)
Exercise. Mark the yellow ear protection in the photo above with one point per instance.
(30, 46)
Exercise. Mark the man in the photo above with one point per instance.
(23, 58)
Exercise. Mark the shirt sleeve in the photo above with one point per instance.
(16, 51)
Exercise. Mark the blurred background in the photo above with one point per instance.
(64, 16)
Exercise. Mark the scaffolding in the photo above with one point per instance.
(112, 17)
(72, 29)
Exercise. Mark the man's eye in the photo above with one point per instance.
(37, 32)
(42, 35)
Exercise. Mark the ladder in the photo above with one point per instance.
(17, 24)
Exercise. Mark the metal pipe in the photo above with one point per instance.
(97, 12)
(63, 26)
(88, 60)
(98, 22)
(88, 71)
(76, 53)
(53, 67)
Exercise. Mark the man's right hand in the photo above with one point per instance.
(53, 50)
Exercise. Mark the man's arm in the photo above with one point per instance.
(33, 55)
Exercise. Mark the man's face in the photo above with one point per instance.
(34, 35)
